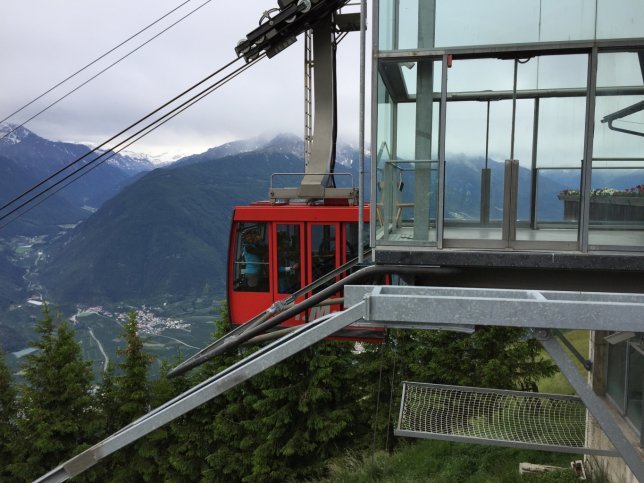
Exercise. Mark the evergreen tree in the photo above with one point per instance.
(304, 414)
(228, 457)
(8, 412)
(132, 388)
(130, 398)
(107, 402)
(56, 413)
(496, 357)
(377, 374)
(158, 447)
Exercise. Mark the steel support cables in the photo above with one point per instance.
(38, 191)
(243, 370)
(68, 93)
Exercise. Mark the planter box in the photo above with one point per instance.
(606, 208)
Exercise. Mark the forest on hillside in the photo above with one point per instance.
(285, 424)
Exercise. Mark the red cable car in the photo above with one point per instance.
(277, 249)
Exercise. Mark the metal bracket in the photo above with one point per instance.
(587, 363)
(367, 302)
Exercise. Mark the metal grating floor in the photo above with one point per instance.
(490, 416)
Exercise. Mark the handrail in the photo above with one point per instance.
(258, 320)
(235, 338)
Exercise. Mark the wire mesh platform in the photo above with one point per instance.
(491, 416)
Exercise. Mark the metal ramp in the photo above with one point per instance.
(518, 419)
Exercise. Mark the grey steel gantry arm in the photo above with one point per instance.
(322, 18)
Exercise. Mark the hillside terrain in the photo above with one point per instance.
(25, 160)
(165, 237)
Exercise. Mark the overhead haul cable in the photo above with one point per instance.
(101, 71)
(95, 162)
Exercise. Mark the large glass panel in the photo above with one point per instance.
(560, 147)
(620, 19)
(616, 373)
(617, 197)
(406, 160)
(560, 150)
(474, 23)
(635, 386)
(288, 258)
(387, 24)
(250, 271)
(474, 168)
(477, 143)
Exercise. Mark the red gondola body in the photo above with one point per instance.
(277, 249)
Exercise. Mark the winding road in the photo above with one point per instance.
(100, 347)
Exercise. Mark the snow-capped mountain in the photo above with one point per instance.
(130, 162)
(12, 134)
(26, 159)
(228, 149)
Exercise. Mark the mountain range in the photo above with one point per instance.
(26, 159)
(165, 237)
(133, 233)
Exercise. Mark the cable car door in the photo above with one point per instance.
(290, 252)
(323, 256)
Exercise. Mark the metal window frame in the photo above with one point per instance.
(590, 48)
(629, 348)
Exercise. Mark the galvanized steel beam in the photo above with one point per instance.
(405, 306)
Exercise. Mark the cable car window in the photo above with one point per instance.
(288, 258)
(322, 252)
(251, 258)
(351, 239)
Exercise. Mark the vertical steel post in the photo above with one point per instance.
(363, 39)
(484, 215)
(440, 216)
(533, 180)
(375, 34)
(587, 162)
(424, 118)
(514, 107)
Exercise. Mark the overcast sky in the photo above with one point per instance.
(45, 41)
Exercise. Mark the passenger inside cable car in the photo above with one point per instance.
(251, 266)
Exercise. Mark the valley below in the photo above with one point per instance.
(172, 330)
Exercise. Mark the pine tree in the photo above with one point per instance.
(156, 448)
(8, 413)
(131, 399)
(132, 386)
(56, 413)
(304, 414)
(496, 357)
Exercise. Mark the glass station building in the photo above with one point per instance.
(508, 143)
